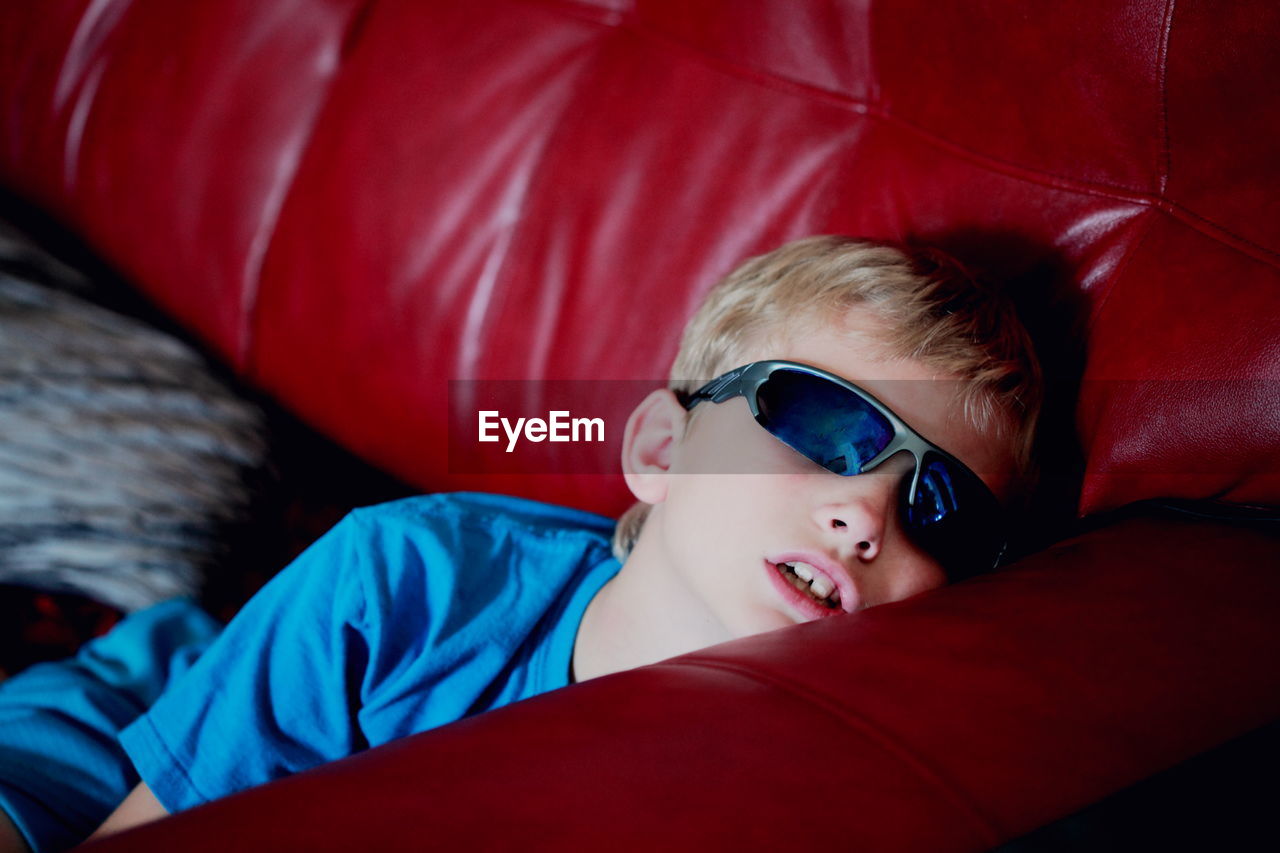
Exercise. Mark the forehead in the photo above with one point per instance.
(853, 347)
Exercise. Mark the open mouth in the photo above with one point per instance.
(811, 582)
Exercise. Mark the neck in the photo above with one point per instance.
(643, 615)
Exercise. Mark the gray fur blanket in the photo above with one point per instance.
(123, 459)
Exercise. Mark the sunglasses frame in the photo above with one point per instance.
(745, 381)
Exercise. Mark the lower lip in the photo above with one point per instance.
(799, 601)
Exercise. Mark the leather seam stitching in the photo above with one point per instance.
(1162, 74)
(1113, 280)
(1115, 192)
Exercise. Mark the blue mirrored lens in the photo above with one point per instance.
(937, 496)
(827, 423)
(955, 518)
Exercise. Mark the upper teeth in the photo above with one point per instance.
(819, 584)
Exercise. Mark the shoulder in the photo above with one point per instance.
(455, 584)
(462, 552)
(477, 514)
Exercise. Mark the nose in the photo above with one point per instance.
(855, 520)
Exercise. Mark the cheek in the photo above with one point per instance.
(914, 572)
(703, 511)
(717, 520)
(929, 575)
(730, 504)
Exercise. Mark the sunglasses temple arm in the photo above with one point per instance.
(915, 480)
(718, 390)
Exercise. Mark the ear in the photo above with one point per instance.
(653, 430)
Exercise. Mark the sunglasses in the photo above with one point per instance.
(945, 508)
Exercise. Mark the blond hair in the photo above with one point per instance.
(934, 310)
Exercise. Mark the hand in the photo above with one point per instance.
(11, 841)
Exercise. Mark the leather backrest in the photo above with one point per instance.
(355, 202)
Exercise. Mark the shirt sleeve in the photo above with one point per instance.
(276, 693)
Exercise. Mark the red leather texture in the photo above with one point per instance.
(839, 735)
(357, 201)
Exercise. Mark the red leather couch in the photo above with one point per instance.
(355, 201)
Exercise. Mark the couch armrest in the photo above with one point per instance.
(1075, 673)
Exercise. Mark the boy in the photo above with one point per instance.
(412, 614)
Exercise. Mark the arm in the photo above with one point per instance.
(11, 840)
(272, 696)
(141, 806)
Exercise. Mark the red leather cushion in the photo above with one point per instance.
(1180, 396)
(169, 135)
(355, 202)
(42, 61)
(951, 722)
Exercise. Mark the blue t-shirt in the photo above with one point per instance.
(405, 616)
